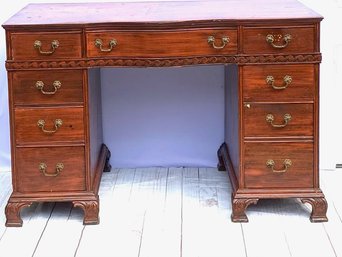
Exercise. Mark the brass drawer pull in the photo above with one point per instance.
(270, 39)
(38, 45)
(211, 41)
(41, 124)
(43, 169)
(287, 164)
(112, 44)
(287, 81)
(56, 84)
(270, 119)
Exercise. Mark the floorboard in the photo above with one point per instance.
(176, 212)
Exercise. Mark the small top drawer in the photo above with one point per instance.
(47, 87)
(161, 43)
(279, 40)
(46, 45)
(276, 83)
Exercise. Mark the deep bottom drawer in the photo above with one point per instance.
(50, 169)
(278, 165)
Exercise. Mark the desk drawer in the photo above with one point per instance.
(46, 45)
(278, 120)
(50, 169)
(275, 40)
(47, 87)
(161, 44)
(49, 125)
(279, 82)
(278, 165)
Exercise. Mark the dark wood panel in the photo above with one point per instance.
(259, 175)
(301, 88)
(303, 40)
(30, 178)
(95, 118)
(27, 130)
(25, 91)
(162, 43)
(256, 125)
(232, 117)
(22, 45)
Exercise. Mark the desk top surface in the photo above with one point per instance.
(161, 12)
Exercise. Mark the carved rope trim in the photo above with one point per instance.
(164, 62)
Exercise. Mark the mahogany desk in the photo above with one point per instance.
(272, 55)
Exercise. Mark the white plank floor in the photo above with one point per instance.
(171, 212)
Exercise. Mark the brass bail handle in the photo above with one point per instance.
(56, 84)
(43, 169)
(270, 119)
(112, 43)
(287, 80)
(38, 45)
(58, 124)
(224, 40)
(271, 163)
(270, 39)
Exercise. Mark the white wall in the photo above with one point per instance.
(331, 90)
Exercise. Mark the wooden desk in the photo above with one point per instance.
(271, 52)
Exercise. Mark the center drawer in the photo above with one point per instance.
(161, 43)
(50, 169)
(49, 125)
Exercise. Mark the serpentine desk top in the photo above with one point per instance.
(159, 13)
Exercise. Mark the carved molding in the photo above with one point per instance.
(12, 212)
(91, 211)
(319, 208)
(163, 62)
(239, 207)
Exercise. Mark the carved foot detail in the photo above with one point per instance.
(91, 211)
(220, 165)
(319, 208)
(107, 167)
(239, 207)
(12, 212)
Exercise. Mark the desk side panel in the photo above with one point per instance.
(95, 118)
(232, 121)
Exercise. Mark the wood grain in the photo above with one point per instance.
(302, 87)
(26, 92)
(69, 45)
(258, 175)
(30, 179)
(162, 43)
(164, 34)
(301, 123)
(303, 40)
(27, 131)
(160, 13)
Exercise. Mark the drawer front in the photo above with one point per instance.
(275, 40)
(26, 45)
(61, 125)
(278, 165)
(50, 169)
(47, 87)
(278, 120)
(161, 44)
(279, 82)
